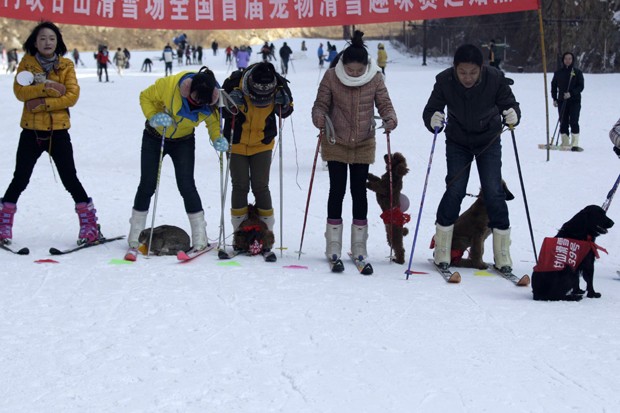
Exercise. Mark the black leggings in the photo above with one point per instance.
(338, 187)
(181, 152)
(31, 145)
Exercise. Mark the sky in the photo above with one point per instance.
(91, 333)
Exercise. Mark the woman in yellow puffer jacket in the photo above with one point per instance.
(47, 85)
(174, 106)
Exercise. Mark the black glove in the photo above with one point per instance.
(237, 97)
(617, 151)
(282, 99)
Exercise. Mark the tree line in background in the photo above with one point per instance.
(585, 27)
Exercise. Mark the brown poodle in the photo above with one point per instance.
(471, 229)
(392, 215)
(253, 236)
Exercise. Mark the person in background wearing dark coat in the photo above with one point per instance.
(494, 59)
(285, 55)
(480, 102)
(566, 87)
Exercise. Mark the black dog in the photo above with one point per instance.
(570, 254)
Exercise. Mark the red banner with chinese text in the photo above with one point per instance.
(248, 14)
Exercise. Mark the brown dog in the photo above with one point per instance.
(471, 229)
(253, 236)
(392, 215)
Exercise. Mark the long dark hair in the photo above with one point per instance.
(30, 43)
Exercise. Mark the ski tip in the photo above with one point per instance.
(455, 278)
(23, 251)
(55, 251)
(182, 256)
(524, 281)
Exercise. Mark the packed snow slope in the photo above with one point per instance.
(93, 334)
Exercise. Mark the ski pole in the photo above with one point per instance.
(390, 225)
(417, 225)
(281, 182)
(161, 158)
(527, 210)
(611, 194)
(225, 101)
(316, 155)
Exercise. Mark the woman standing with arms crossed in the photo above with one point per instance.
(45, 127)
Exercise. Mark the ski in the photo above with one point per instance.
(23, 251)
(100, 241)
(131, 254)
(224, 255)
(335, 263)
(269, 256)
(561, 148)
(361, 264)
(452, 277)
(519, 282)
(191, 254)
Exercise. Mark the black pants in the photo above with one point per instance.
(31, 145)
(100, 69)
(569, 115)
(338, 187)
(182, 153)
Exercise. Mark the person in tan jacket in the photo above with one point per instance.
(47, 85)
(347, 97)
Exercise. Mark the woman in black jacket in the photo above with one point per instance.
(566, 87)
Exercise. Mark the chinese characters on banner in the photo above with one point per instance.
(248, 14)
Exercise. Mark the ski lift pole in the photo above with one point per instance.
(417, 225)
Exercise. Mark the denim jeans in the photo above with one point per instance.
(489, 165)
(181, 152)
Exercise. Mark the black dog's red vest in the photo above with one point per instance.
(557, 253)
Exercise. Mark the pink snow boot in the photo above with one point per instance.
(7, 212)
(89, 230)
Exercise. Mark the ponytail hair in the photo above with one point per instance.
(356, 52)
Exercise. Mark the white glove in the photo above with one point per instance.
(510, 116)
(566, 95)
(437, 120)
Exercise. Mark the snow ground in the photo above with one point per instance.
(91, 335)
